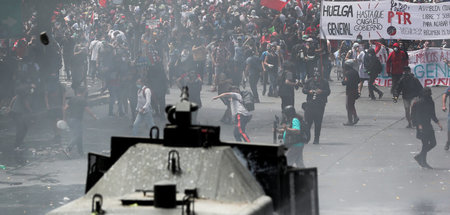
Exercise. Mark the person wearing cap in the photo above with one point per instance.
(317, 91)
(351, 81)
(394, 65)
(290, 130)
(409, 87)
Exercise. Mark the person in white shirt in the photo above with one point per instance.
(240, 115)
(363, 74)
(94, 49)
(143, 108)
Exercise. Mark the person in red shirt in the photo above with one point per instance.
(394, 65)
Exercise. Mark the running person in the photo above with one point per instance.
(240, 115)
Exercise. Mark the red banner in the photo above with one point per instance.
(274, 4)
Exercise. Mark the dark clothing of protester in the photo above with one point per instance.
(351, 84)
(158, 85)
(21, 113)
(239, 128)
(272, 58)
(422, 114)
(239, 65)
(254, 71)
(79, 67)
(321, 84)
(254, 66)
(68, 48)
(298, 56)
(428, 142)
(373, 67)
(409, 86)
(324, 63)
(372, 87)
(314, 114)
(395, 80)
(351, 91)
(315, 104)
(114, 86)
(286, 91)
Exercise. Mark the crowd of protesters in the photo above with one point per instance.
(159, 43)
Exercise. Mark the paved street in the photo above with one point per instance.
(365, 169)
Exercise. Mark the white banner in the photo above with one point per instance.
(426, 64)
(385, 19)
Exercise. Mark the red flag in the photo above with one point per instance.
(102, 3)
(274, 4)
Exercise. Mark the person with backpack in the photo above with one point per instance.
(410, 87)
(292, 131)
(373, 68)
(422, 112)
(143, 108)
(239, 113)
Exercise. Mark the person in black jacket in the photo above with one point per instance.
(373, 66)
(351, 81)
(317, 91)
(410, 87)
(422, 113)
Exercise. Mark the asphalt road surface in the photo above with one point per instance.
(364, 169)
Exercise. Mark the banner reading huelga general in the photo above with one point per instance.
(426, 64)
(385, 19)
